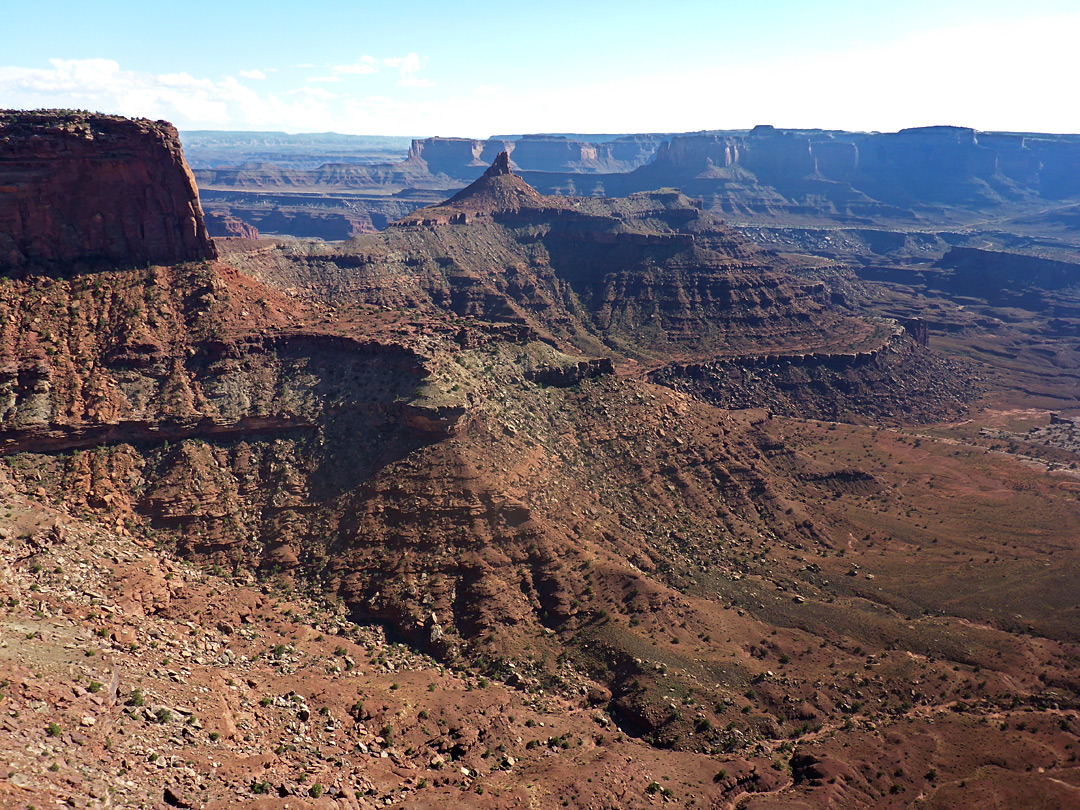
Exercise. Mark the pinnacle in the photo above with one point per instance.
(500, 166)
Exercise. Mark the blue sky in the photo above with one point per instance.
(477, 69)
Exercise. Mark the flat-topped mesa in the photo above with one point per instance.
(79, 187)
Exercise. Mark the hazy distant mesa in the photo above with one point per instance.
(752, 176)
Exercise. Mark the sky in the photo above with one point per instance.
(478, 69)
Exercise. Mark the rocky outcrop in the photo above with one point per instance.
(919, 330)
(438, 421)
(563, 376)
(238, 433)
(498, 191)
(500, 166)
(80, 187)
(230, 226)
(990, 273)
(900, 380)
(150, 392)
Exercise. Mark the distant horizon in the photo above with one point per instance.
(612, 134)
(607, 134)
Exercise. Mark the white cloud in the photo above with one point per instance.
(325, 79)
(409, 65)
(314, 92)
(365, 64)
(70, 75)
(181, 80)
(253, 74)
(192, 102)
(185, 100)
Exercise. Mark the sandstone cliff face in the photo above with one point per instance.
(78, 187)
(231, 226)
(458, 158)
(237, 432)
(850, 177)
(463, 159)
(557, 154)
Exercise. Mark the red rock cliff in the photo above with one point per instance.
(80, 187)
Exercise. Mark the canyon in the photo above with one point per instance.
(945, 177)
(757, 492)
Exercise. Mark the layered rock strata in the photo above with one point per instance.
(81, 187)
